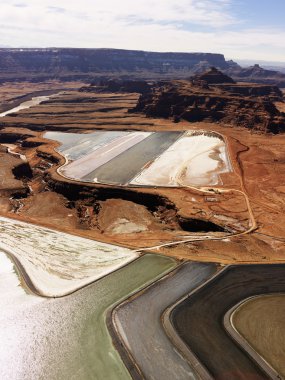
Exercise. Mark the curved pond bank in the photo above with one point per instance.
(198, 319)
(143, 333)
(12, 294)
(260, 322)
(67, 338)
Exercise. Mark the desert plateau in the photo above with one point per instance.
(142, 192)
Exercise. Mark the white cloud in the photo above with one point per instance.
(208, 12)
(160, 25)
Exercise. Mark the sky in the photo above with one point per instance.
(239, 29)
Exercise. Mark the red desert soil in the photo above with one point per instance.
(8, 182)
(49, 208)
(151, 216)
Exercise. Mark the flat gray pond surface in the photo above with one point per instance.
(124, 167)
(139, 324)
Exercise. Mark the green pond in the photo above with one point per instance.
(67, 338)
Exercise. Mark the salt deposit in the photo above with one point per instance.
(58, 263)
(192, 160)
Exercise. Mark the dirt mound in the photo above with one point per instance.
(117, 216)
(49, 207)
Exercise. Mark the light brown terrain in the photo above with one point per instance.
(242, 221)
(8, 182)
(260, 321)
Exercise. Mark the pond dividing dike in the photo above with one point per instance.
(258, 325)
(198, 320)
(137, 323)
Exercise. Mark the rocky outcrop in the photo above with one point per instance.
(272, 92)
(182, 100)
(257, 74)
(213, 76)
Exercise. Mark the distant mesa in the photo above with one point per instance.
(257, 74)
(85, 64)
(67, 64)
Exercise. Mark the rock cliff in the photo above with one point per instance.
(256, 73)
(252, 108)
(68, 64)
